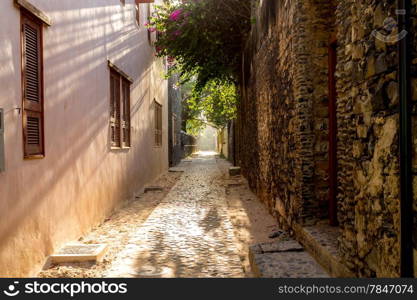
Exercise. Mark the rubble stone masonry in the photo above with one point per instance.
(282, 128)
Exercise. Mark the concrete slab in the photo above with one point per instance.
(286, 265)
(176, 170)
(79, 253)
(321, 241)
(281, 246)
(234, 171)
(283, 259)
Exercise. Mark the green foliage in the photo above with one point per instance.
(203, 40)
(204, 37)
(214, 105)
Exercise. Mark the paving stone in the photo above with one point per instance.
(189, 234)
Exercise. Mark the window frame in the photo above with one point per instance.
(120, 109)
(29, 108)
(158, 124)
(174, 130)
(137, 13)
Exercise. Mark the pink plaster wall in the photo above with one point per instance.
(47, 202)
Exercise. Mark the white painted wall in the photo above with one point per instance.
(47, 202)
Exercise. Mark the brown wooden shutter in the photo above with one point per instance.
(115, 109)
(158, 124)
(126, 113)
(32, 87)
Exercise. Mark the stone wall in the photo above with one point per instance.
(282, 128)
(267, 124)
(413, 39)
(188, 144)
(231, 141)
(367, 109)
(284, 110)
(176, 151)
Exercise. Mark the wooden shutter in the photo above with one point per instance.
(158, 124)
(115, 109)
(32, 87)
(137, 14)
(126, 113)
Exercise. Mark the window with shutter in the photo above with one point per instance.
(115, 110)
(126, 113)
(32, 81)
(119, 110)
(174, 130)
(137, 14)
(158, 123)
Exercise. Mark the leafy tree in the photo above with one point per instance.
(214, 105)
(204, 37)
(203, 40)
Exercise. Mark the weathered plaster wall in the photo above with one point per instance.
(223, 142)
(45, 203)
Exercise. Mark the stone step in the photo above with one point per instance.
(76, 253)
(284, 258)
(321, 242)
(176, 170)
(234, 171)
(153, 189)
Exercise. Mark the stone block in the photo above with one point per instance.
(234, 171)
(75, 253)
(287, 264)
(153, 189)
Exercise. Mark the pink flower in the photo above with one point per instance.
(177, 32)
(175, 15)
(151, 29)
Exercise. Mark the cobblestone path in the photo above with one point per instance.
(189, 234)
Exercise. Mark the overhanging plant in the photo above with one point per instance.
(203, 39)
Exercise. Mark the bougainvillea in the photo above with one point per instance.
(204, 38)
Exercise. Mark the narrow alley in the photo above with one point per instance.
(208, 139)
(195, 222)
(189, 234)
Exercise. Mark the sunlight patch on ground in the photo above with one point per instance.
(206, 153)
